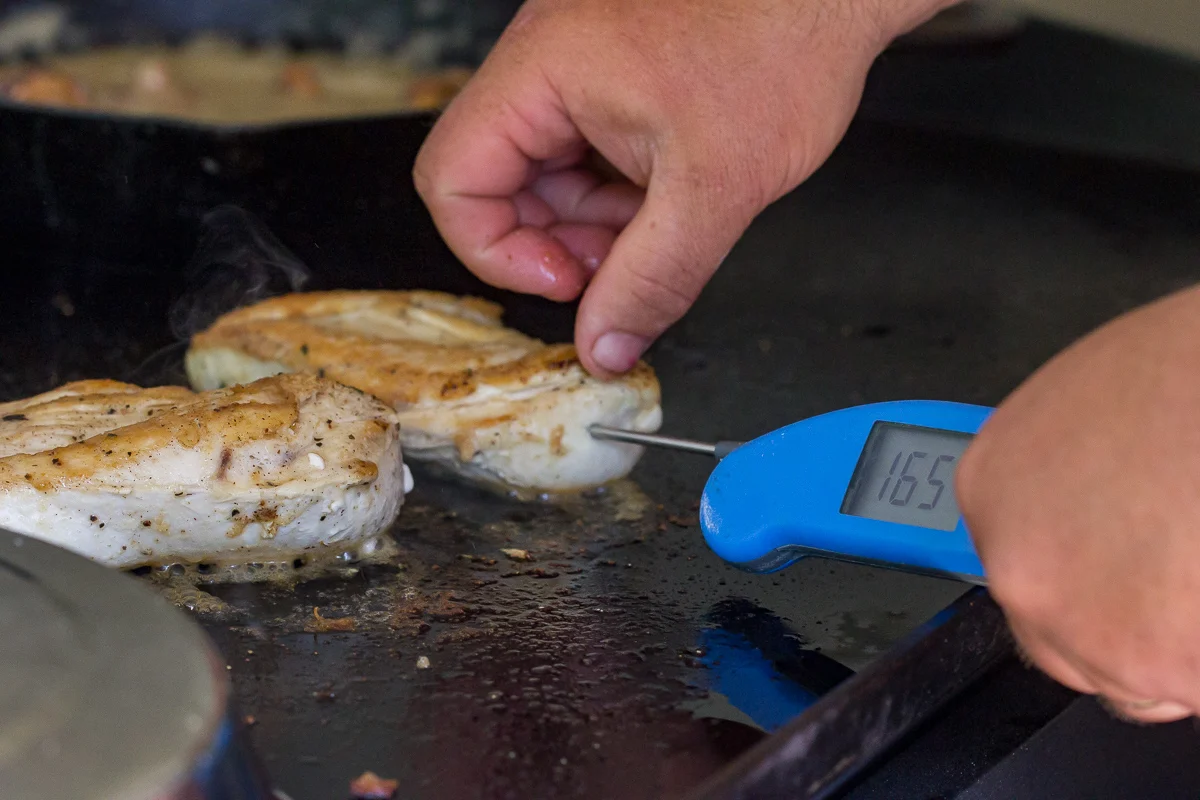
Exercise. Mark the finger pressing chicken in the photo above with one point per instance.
(491, 404)
(286, 467)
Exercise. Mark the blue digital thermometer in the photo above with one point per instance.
(872, 484)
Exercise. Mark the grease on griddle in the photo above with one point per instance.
(402, 590)
(329, 562)
(629, 502)
(579, 665)
(182, 584)
(456, 635)
(179, 592)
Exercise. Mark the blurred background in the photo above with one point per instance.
(460, 28)
(1169, 24)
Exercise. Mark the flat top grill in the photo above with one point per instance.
(913, 264)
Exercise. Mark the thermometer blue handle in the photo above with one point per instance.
(871, 484)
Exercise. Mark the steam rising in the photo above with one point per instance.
(237, 262)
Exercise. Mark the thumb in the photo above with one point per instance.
(655, 271)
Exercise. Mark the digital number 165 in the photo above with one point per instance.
(904, 485)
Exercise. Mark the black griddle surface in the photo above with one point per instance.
(912, 265)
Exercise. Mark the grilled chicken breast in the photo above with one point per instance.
(491, 404)
(283, 467)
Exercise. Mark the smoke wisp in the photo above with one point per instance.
(237, 261)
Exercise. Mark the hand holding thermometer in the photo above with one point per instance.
(871, 484)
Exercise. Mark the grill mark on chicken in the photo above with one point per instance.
(473, 395)
(192, 469)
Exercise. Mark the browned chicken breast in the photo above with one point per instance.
(492, 404)
(283, 467)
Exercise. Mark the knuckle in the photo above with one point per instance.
(667, 292)
(731, 182)
(1022, 596)
(1022, 590)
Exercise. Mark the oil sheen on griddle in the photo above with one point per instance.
(200, 587)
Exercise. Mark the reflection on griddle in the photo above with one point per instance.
(760, 671)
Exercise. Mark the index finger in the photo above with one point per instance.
(487, 147)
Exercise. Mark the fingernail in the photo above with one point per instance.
(1157, 711)
(1146, 711)
(618, 352)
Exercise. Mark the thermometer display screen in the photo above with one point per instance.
(906, 475)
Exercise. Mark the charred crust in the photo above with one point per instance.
(265, 514)
(457, 386)
(226, 460)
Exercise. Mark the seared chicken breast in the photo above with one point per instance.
(281, 468)
(493, 405)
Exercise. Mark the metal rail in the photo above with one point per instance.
(840, 736)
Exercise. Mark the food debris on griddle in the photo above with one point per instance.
(443, 608)
(370, 786)
(515, 554)
(460, 635)
(406, 616)
(321, 624)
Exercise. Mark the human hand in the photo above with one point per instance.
(711, 109)
(1082, 493)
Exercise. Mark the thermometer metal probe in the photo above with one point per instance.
(717, 450)
(870, 484)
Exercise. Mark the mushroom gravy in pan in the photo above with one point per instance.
(219, 82)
